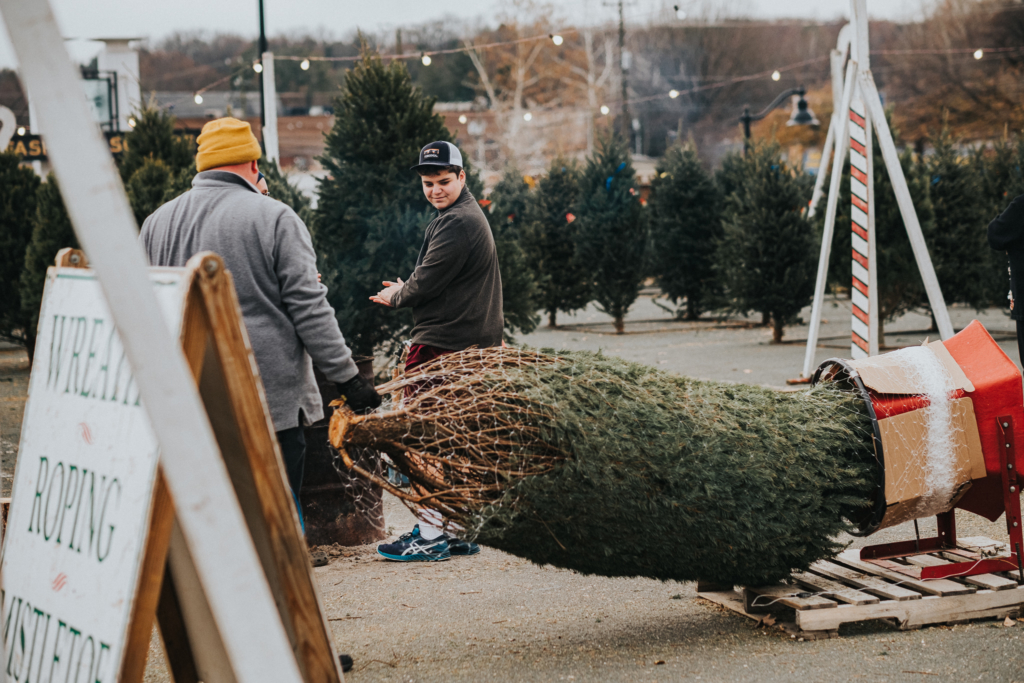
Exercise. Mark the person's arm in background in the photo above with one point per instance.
(1007, 231)
(305, 300)
(445, 257)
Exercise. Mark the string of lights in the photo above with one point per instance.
(557, 39)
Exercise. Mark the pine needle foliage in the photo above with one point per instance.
(146, 188)
(768, 252)
(507, 214)
(613, 231)
(608, 467)
(958, 239)
(153, 138)
(371, 212)
(18, 187)
(51, 232)
(686, 226)
(563, 278)
(1002, 176)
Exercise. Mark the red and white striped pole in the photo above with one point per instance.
(864, 285)
(859, 182)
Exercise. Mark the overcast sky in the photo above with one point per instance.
(156, 19)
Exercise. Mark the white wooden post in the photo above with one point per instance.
(837, 58)
(842, 140)
(207, 508)
(270, 146)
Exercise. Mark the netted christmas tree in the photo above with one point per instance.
(686, 226)
(371, 213)
(551, 243)
(507, 214)
(767, 254)
(958, 239)
(613, 468)
(613, 237)
(51, 232)
(18, 187)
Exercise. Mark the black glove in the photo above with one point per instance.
(359, 395)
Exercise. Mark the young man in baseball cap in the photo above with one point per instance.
(455, 296)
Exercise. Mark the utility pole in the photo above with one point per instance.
(624, 59)
(263, 73)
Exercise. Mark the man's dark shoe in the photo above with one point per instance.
(346, 663)
(456, 546)
(412, 547)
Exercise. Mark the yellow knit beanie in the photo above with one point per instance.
(225, 142)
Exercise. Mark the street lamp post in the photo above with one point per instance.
(802, 115)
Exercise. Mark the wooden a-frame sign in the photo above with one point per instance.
(166, 584)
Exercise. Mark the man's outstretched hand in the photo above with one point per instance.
(383, 297)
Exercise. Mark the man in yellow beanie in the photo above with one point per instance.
(270, 254)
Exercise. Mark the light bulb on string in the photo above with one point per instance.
(527, 116)
(556, 39)
(776, 75)
(131, 121)
(463, 119)
(198, 98)
(426, 59)
(21, 130)
(979, 53)
(257, 67)
(673, 94)
(304, 65)
(605, 110)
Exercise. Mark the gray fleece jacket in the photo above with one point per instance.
(455, 291)
(269, 253)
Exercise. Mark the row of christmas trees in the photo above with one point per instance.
(734, 240)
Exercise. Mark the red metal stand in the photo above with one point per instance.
(946, 539)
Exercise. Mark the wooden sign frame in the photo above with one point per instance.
(216, 346)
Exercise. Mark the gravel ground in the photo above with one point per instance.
(497, 617)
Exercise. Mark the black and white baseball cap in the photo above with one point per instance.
(439, 154)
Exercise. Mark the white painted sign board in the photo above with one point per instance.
(83, 489)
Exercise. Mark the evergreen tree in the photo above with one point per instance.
(900, 287)
(146, 188)
(18, 187)
(958, 239)
(686, 225)
(730, 176)
(551, 237)
(153, 138)
(612, 232)
(768, 251)
(371, 212)
(507, 214)
(1002, 177)
(51, 232)
(157, 165)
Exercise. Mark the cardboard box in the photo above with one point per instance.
(905, 435)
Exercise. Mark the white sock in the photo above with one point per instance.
(431, 524)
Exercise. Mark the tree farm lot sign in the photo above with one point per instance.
(92, 552)
(83, 487)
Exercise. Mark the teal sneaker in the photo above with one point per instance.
(412, 547)
(456, 546)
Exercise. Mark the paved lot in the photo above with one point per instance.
(496, 617)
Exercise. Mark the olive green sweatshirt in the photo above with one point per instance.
(455, 291)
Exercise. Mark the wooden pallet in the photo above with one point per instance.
(848, 589)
